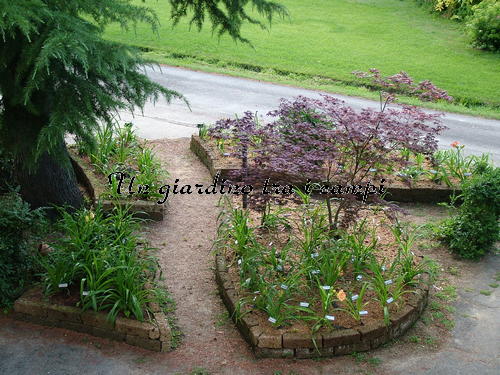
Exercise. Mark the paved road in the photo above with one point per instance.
(213, 96)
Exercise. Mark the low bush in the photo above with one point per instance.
(455, 9)
(474, 229)
(483, 26)
(20, 229)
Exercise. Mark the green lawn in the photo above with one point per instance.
(327, 39)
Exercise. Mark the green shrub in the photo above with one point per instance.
(455, 9)
(473, 231)
(20, 228)
(484, 25)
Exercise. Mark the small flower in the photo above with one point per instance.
(341, 295)
(455, 144)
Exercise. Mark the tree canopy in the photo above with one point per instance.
(59, 76)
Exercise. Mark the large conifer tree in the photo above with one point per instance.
(58, 76)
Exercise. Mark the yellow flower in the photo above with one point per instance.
(341, 295)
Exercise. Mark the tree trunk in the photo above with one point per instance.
(50, 182)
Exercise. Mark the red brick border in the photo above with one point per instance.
(152, 335)
(339, 342)
(399, 194)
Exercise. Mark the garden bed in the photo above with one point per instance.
(287, 343)
(295, 289)
(120, 169)
(154, 334)
(95, 186)
(424, 192)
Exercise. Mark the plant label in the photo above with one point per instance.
(304, 304)
(284, 287)
(272, 320)
(85, 293)
(330, 317)
(359, 277)
(326, 287)
(354, 297)
(388, 282)
(389, 300)
(63, 285)
(363, 312)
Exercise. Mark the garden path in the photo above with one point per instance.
(211, 341)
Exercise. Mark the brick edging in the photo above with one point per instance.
(152, 335)
(339, 342)
(398, 194)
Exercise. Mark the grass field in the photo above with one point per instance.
(324, 40)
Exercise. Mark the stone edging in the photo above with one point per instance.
(154, 335)
(140, 208)
(339, 342)
(398, 194)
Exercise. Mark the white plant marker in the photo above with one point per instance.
(314, 272)
(330, 317)
(284, 287)
(383, 268)
(85, 293)
(63, 285)
(272, 320)
(467, 174)
(247, 281)
(359, 277)
(354, 297)
(239, 262)
(314, 255)
(363, 312)
(226, 154)
(388, 282)
(389, 300)
(373, 170)
(326, 287)
(304, 304)
(279, 267)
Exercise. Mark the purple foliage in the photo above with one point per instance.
(402, 82)
(328, 141)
